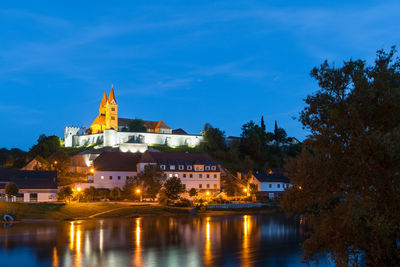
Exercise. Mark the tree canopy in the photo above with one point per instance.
(11, 189)
(137, 125)
(346, 180)
(150, 181)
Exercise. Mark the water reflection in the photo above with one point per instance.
(249, 240)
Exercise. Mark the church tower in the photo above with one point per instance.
(111, 112)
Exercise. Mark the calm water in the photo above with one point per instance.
(233, 240)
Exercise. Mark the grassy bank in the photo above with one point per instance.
(62, 211)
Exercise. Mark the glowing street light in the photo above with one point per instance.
(208, 193)
(138, 191)
(245, 190)
(92, 170)
(79, 189)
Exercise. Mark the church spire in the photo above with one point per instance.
(103, 100)
(112, 97)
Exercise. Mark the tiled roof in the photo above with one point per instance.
(271, 177)
(117, 161)
(156, 124)
(29, 179)
(179, 131)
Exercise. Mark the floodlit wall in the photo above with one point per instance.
(114, 138)
(101, 179)
(212, 183)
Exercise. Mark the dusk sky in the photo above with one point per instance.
(184, 62)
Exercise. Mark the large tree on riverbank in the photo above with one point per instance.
(346, 180)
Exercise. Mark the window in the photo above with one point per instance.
(207, 168)
(119, 177)
(279, 185)
(162, 167)
(180, 167)
(270, 185)
(208, 176)
(215, 176)
(200, 175)
(191, 175)
(112, 118)
(102, 177)
(176, 175)
(184, 175)
(112, 109)
(208, 185)
(198, 167)
(170, 175)
(215, 186)
(172, 167)
(189, 167)
(184, 186)
(213, 168)
(110, 177)
(200, 185)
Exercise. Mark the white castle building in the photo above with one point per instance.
(108, 130)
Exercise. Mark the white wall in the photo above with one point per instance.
(264, 186)
(112, 138)
(196, 180)
(105, 182)
(41, 196)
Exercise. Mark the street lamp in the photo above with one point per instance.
(92, 170)
(208, 193)
(138, 192)
(79, 189)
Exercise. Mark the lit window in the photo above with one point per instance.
(176, 175)
(102, 177)
(170, 175)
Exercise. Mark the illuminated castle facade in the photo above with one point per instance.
(110, 131)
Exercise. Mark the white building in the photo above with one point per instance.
(196, 170)
(273, 183)
(34, 186)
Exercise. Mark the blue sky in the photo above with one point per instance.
(184, 62)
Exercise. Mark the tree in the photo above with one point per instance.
(262, 123)
(346, 181)
(60, 161)
(150, 181)
(214, 139)
(65, 193)
(137, 125)
(192, 192)
(115, 193)
(11, 189)
(173, 187)
(46, 146)
(90, 193)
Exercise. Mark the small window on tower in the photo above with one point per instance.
(112, 118)
(112, 109)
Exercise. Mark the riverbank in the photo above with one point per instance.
(75, 210)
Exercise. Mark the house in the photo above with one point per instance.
(272, 183)
(34, 186)
(83, 161)
(196, 170)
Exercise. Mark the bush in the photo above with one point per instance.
(65, 193)
(115, 193)
(192, 192)
(184, 202)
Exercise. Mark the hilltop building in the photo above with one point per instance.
(109, 130)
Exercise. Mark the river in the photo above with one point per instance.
(183, 241)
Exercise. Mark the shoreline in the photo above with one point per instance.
(57, 212)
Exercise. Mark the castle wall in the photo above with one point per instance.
(114, 138)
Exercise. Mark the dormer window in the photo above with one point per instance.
(199, 168)
(162, 167)
(207, 168)
(181, 167)
(189, 167)
(172, 167)
(213, 168)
